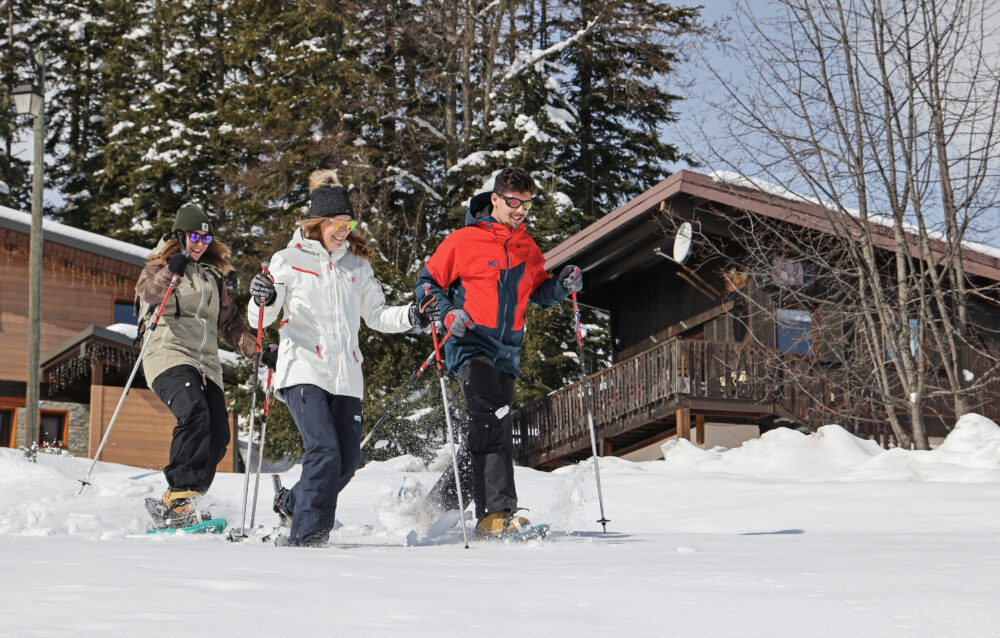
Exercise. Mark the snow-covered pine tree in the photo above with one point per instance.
(620, 79)
(165, 76)
(15, 178)
(74, 46)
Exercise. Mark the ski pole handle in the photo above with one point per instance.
(260, 317)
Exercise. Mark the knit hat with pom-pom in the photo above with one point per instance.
(327, 198)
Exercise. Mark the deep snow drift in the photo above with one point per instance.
(788, 535)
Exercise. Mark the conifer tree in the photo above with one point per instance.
(620, 73)
(21, 35)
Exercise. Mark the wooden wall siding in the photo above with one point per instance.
(78, 290)
(141, 435)
(648, 303)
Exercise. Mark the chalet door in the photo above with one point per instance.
(6, 428)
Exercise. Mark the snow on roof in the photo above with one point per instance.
(736, 179)
(75, 237)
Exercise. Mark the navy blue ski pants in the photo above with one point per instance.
(330, 425)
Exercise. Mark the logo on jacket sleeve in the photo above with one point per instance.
(493, 263)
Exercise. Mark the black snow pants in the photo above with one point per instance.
(487, 446)
(202, 431)
(330, 425)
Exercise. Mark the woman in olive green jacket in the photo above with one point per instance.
(181, 362)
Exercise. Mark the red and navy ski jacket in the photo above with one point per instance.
(492, 272)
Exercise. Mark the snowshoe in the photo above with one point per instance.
(502, 524)
(177, 509)
(211, 526)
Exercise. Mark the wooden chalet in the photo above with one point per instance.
(88, 282)
(683, 365)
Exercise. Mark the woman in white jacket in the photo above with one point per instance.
(324, 285)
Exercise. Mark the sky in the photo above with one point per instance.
(789, 535)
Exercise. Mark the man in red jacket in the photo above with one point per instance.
(483, 277)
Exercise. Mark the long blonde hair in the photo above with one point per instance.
(358, 240)
(216, 254)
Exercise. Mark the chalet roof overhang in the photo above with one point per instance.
(615, 235)
(56, 233)
(70, 363)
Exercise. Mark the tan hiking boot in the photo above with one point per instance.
(501, 523)
(182, 509)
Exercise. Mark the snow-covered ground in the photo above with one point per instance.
(789, 535)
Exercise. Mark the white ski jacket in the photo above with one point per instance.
(323, 297)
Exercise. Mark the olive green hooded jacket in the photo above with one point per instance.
(198, 312)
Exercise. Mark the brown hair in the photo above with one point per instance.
(514, 180)
(357, 239)
(216, 254)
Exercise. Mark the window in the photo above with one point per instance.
(793, 331)
(125, 312)
(6, 428)
(52, 430)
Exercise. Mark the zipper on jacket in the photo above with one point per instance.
(204, 324)
(503, 315)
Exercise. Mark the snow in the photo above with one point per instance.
(822, 535)
(130, 330)
(531, 130)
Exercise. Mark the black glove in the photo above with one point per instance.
(426, 312)
(571, 279)
(269, 356)
(177, 263)
(262, 289)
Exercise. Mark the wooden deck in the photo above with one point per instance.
(666, 389)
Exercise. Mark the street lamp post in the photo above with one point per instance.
(30, 99)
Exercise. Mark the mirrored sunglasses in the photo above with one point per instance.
(340, 223)
(514, 202)
(194, 237)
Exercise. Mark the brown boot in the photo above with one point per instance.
(501, 523)
(182, 509)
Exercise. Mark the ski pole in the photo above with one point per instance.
(131, 378)
(263, 435)
(590, 415)
(447, 420)
(413, 377)
(253, 412)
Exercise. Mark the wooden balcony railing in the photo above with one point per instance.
(638, 386)
(754, 379)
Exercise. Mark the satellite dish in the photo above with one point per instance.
(682, 243)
